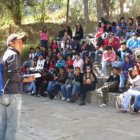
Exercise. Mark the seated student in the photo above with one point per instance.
(69, 62)
(75, 46)
(121, 27)
(134, 90)
(128, 63)
(34, 64)
(61, 33)
(114, 27)
(55, 53)
(75, 84)
(31, 86)
(49, 51)
(108, 57)
(138, 65)
(67, 48)
(133, 43)
(38, 51)
(61, 62)
(47, 63)
(32, 53)
(107, 30)
(114, 41)
(68, 29)
(40, 63)
(100, 29)
(78, 62)
(100, 48)
(43, 83)
(54, 44)
(66, 35)
(87, 62)
(79, 32)
(55, 86)
(44, 52)
(111, 85)
(89, 83)
(66, 88)
(130, 28)
(138, 31)
(121, 55)
(52, 64)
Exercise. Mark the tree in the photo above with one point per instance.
(67, 14)
(99, 8)
(86, 15)
(106, 8)
(121, 8)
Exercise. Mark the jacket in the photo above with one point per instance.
(11, 62)
(70, 78)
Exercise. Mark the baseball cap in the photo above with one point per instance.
(134, 34)
(13, 37)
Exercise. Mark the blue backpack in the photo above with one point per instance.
(1, 79)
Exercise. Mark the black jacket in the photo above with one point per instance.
(11, 62)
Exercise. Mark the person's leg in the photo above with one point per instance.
(3, 123)
(13, 117)
(122, 80)
(137, 103)
(118, 64)
(74, 90)
(56, 89)
(63, 90)
(50, 86)
(103, 68)
(68, 91)
(97, 52)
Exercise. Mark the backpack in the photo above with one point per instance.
(1, 80)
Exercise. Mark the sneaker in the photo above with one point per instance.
(102, 75)
(102, 105)
(124, 111)
(63, 98)
(68, 100)
(99, 90)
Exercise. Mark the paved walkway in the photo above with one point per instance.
(42, 119)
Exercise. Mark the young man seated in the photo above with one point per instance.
(111, 85)
(55, 86)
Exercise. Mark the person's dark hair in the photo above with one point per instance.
(53, 40)
(41, 54)
(108, 22)
(131, 20)
(138, 56)
(138, 19)
(114, 23)
(66, 32)
(43, 30)
(115, 68)
(78, 54)
(63, 68)
(27, 66)
(109, 48)
(61, 26)
(38, 48)
(70, 55)
(86, 56)
(70, 67)
(31, 48)
(77, 68)
(122, 18)
(35, 58)
(130, 73)
(139, 24)
(68, 27)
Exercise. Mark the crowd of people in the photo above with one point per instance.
(65, 64)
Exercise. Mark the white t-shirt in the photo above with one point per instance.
(32, 55)
(137, 82)
(40, 64)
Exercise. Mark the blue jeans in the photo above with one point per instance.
(51, 86)
(65, 53)
(97, 52)
(122, 80)
(128, 35)
(119, 64)
(32, 87)
(44, 43)
(104, 64)
(137, 102)
(11, 107)
(67, 90)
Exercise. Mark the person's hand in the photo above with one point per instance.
(55, 78)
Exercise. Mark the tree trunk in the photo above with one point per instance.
(106, 8)
(99, 9)
(86, 11)
(121, 8)
(67, 15)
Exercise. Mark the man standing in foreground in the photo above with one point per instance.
(10, 100)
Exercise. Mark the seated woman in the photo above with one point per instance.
(108, 57)
(67, 48)
(78, 62)
(54, 44)
(69, 62)
(128, 63)
(40, 63)
(44, 52)
(87, 62)
(38, 51)
(52, 64)
(47, 63)
(79, 32)
(55, 53)
(89, 83)
(100, 29)
(133, 91)
(66, 35)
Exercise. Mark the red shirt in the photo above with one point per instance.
(54, 46)
(115, 44)
(68, 63)
(138, 67)
(52, 65)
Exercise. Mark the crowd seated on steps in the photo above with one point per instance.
(66, 64)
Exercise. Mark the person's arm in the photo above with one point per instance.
(13, 70)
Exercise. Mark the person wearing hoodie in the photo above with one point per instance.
(128, 63)
(40, 63)
(66, 88)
